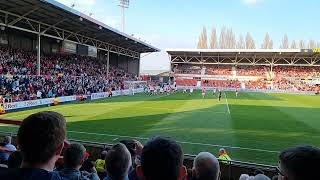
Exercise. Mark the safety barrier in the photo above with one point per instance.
(14, 106)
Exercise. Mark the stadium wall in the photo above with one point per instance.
(22, 105)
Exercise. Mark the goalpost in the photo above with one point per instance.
(135, 86)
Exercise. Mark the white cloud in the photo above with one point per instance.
(251, 2)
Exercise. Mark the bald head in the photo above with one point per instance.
(206, 167)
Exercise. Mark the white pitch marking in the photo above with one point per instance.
(227, 102)
(182, 142)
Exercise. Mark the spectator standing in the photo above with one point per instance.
(118, 163)
(206, 167)
(73, 157)
(161, 159)
(223, 155)
(15, 160)
(41, 140)
(100, 165)
(299, 163)
(7, 149)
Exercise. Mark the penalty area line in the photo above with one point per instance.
(116, 137)
(225, 95)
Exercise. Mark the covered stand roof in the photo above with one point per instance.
(53, 19)
(245, 56)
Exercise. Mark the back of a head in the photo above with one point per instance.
(222, 151)
(244, 177)
(74, 155)
(161, 159)
(118, 162)
(301, 162)
(206, 166)
(39, 136)
(260, 177)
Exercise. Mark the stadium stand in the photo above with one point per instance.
(247, 69)
(64, 75)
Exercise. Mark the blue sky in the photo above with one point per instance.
(178, 23)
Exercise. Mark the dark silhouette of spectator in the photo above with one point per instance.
(161, 158)
(41, 140)
(15, 160)
(299, 163)
(73, 157)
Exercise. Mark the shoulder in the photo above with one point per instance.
(91, 176)
(11, 147)
(28, 174)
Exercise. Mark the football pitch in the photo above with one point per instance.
(253, 127)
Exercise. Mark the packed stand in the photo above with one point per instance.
(252, 70)
(224, 70)
(62, 75)
(256, 85)
(297, 71)
(222, 83)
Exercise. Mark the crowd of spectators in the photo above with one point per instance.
(62, 75)
(49, 157)
(222, 83)
(256, 85)
(297, 71)
(252, 70)
(224, 70)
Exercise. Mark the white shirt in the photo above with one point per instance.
(39, 93)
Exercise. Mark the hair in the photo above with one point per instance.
(301, 162)
(207, 166)
(131, 146)
(74, 155)
(103, 155)
(40, 135)
(118, 162)
(244, 177)
(15, 160)
(161, 158)
(261, 177)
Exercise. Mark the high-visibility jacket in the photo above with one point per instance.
(224, 157)
(55, 101)
(100, 165)
(2, 111)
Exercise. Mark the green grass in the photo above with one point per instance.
(258, 127)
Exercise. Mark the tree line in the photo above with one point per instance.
(227, 40)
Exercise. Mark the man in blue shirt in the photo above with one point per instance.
(7, 148)
(40, 140)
